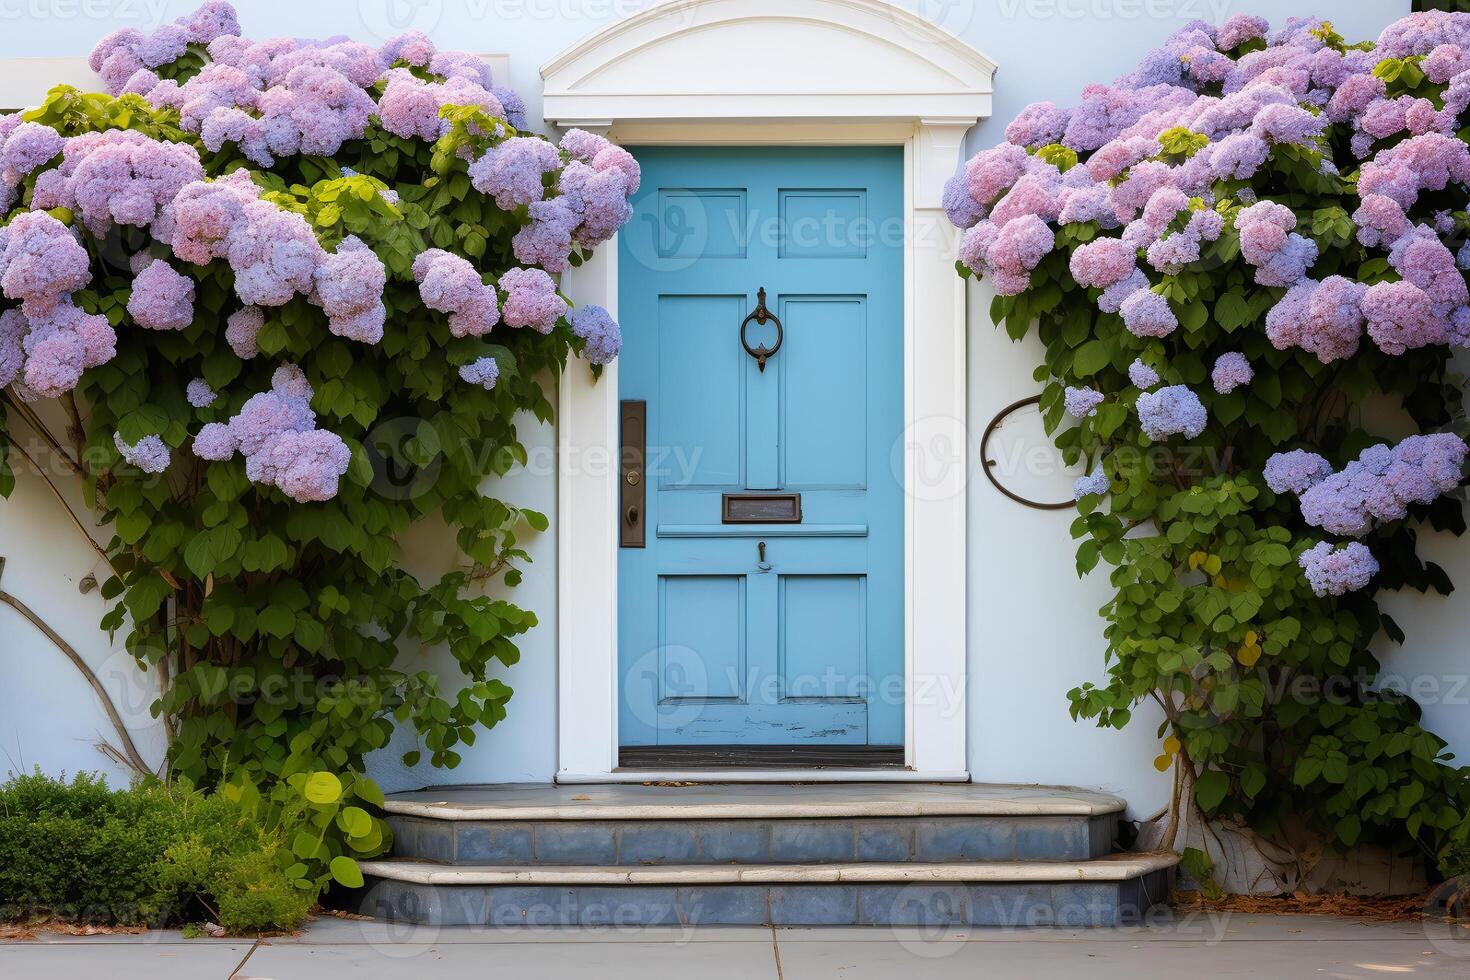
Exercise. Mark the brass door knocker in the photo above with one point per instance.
(760, 315)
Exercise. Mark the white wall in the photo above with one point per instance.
(1034, 629)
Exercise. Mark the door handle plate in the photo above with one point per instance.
(632, 460)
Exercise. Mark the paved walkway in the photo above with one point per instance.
(1188, 947)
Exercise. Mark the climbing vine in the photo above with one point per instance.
(292, 297)
(1240, 259)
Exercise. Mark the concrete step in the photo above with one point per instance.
(1107, 891)
(775, 824)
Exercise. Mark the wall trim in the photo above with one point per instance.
(859, 72)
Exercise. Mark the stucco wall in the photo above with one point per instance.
(1034, 630)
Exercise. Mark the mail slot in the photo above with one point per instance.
(761, 508)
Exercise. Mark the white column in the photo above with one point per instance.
(937, 460)
(587, 542)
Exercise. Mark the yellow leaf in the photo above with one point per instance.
(1251, 638)
(1220, 582)
(1212, 565)
(1163, 762)
(1196, 559)
(1248, 655)
(1171, 745)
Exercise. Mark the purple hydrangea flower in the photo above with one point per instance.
(13, 329)
(1231, 371)
(215, 441)
(148, 454)
(214, 19)
(483, 371)
(27, 147)
(1095, 482)
(1174, 410)
(1383, 482)
(1147, 314)
(1082, 402)
(1336, 572)
(162, 298)
(962, 210)
(199, 394)
(547, 240)
(513, 104)
(1295, 471)
(450, 284)
(512, 171)
(601, 332)
(163, 46)
(1141, 375)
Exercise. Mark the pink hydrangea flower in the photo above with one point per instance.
(450, 284)
(1332, 571)
(41, 262)
(241, 329)
(349, 288)
(531, 300)
(162, 298)
(1231, 371)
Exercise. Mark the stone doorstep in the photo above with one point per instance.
(1113, 868)
(1016, 904)
(819, 840)
(716, 801)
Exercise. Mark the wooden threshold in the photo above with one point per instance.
(760, 757)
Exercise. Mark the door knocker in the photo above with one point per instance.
(760, 315)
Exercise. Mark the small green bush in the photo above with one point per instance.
(147, 855)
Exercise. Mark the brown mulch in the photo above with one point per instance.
(29, 930)
(1387, 908)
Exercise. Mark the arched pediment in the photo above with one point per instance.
(768, 59)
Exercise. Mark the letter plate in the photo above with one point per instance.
(760, 508)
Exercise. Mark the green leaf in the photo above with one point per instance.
(1210, 789)
(345, 872)
(322, 788)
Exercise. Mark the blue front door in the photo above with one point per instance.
(765, 633)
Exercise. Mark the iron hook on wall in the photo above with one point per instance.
(760, 315)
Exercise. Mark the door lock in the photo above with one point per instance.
(762, 564)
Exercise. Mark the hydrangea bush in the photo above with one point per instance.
(1229, 254)
(293, 296)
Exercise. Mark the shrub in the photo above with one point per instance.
(147, 855)
(1227, 254)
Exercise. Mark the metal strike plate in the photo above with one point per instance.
(760, 508)
(632, 454)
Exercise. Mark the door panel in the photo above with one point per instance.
(765, 634)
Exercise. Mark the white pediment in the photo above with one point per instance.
(768, 59)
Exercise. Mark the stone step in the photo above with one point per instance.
(1113, 890)
(771, 824)
(754, 840)
(717, 801)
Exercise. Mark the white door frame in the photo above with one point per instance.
(779, 72)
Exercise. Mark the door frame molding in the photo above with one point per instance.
(672, 75)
